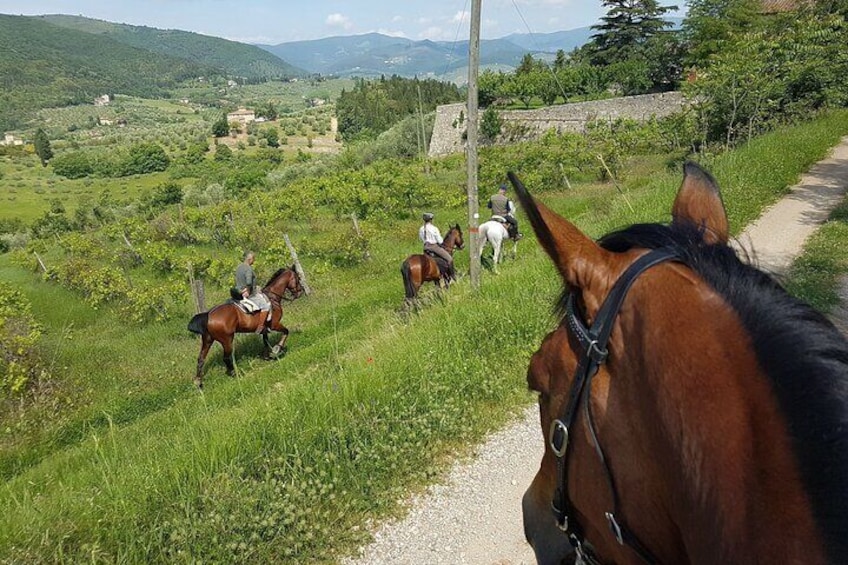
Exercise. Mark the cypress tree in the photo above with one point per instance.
(42, 147)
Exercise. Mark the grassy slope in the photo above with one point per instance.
(286, 462)
(45, 65)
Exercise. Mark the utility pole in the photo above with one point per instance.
(471, 146)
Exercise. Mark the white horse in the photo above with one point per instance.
(495, 233)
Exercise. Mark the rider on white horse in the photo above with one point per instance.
(503, 210)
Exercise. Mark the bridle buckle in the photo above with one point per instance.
(614, 527)
(558, 441)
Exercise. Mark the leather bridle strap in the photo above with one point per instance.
(593, 343)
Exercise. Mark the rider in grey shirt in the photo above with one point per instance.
(246, 285)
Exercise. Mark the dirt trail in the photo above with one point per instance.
(475, 516)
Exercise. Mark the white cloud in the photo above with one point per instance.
(460, 16)
(391, 32)
(397, 19)
(424, 20)
(339, 20)
(432, 32)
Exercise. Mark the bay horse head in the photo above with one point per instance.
(692, 410)
(285, 280)
(454, 238)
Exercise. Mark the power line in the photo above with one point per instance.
(536, 46)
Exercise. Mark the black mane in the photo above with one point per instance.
(275, 275)
(803, 354)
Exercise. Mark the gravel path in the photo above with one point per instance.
(475, 516)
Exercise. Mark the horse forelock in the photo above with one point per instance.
(803, 356)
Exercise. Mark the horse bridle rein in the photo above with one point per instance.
(593, 344)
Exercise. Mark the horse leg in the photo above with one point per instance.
(280, 348)
(205, 344)
(227, 343)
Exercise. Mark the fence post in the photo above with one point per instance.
(40, 262)
(359, 233)
(297, 267)
(197, 291)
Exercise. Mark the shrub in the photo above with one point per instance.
(72, 165)
(20, 364)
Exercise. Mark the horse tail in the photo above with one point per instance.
(407, 279)
(199, 323)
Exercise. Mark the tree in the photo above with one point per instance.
(490, 124)
(144, 158)
(628, 25)
(560, 60)
(42, 147)
(711, 24)
(272, 137)
(165, 194)
(221, 128)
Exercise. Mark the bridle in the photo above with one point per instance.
(593, 344)
(278, 298)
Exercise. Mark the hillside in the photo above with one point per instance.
(44, 65)
(375, 54)
(235, 59)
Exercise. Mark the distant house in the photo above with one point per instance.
(232, 83)
(260, 119)
(105, 121)
(184, 100)
(242, 116)
(102, 100)
(10, 140)
(782, 6)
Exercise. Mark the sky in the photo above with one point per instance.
(278, 21)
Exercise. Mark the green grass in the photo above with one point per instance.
(291, 459)
(26, 188)
(815, 275)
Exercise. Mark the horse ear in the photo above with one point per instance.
(577, 257)
(699, 203)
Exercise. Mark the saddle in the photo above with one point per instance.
(510, 227)
(245, 304)
(444, 270)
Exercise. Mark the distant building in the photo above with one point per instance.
(242, 116)
(102, 100)
(105, 121)
(184, 100)
(9, 140)
(232, 83)
(260, 119)
(783, 6)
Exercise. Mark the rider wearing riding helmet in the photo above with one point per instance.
(432, 239)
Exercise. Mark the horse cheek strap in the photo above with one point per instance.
(593, 342)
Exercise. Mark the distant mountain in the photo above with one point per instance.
(44, 65)
(235, 59)
(376, 54)
(552, 42)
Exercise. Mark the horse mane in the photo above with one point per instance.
(802, 353)
(274, 276)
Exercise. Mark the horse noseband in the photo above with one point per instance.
(593, 345)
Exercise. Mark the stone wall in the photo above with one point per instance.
(450, 119)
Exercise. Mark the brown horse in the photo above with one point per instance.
(222, 322)
(694, 411)
(420, 268)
